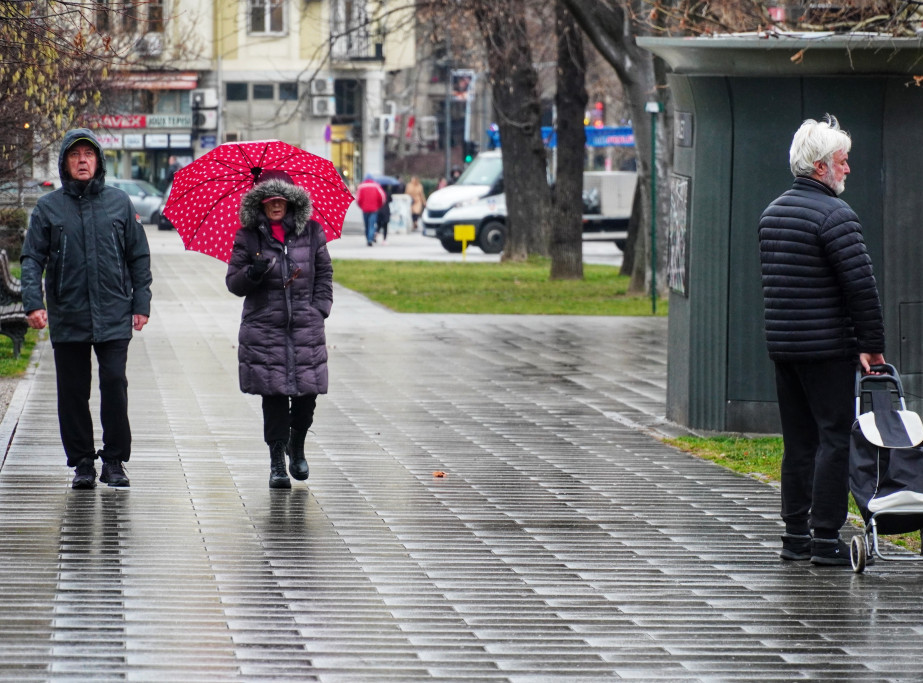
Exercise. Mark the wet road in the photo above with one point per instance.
(564, 542)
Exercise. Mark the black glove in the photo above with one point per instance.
(258, 269)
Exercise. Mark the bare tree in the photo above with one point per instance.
(50, 72)
(570, 104)
(612, 26)
(514, 86)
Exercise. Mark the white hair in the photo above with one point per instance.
(816, 141)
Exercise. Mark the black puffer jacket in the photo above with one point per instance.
(820, 296)
(89, 243)
(282, 345)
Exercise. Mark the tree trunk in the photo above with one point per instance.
(570, 101)
(607, 24)
(634, 227)
(514, 86)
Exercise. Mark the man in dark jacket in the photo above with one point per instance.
(89, 244)
(823, 317)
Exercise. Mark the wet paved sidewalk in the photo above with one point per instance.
(564, 542)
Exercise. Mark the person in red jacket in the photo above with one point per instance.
(370, 197)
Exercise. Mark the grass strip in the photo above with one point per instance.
(491, 288)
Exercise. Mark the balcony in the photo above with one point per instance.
(352, 36)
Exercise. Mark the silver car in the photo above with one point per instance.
(146, 198)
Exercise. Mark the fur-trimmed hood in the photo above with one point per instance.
(299, 203)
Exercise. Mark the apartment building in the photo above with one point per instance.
(309, 72)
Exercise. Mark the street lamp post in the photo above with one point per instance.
(653, 108)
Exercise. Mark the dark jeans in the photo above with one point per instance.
(282, 413)
(371, 222)
(817, 407)
(73, 369)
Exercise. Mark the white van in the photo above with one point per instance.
(483, 177)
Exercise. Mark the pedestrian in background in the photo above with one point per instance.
(417, 198)
(823, 317)
(370, 197)
(384, 216)
(281, 266)
(87, 242)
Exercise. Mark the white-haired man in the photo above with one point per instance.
(823, 318)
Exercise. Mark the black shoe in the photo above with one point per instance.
(278, 479)
(84, 475)
(297, 464)
(113, 474)
(796, 547)
(830, 552)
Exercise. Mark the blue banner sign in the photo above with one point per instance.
(607, 136)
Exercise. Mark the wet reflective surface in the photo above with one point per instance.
(564, 541)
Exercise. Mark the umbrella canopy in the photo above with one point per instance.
(205, 198)
(386, 180)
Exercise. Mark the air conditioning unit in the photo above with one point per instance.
(321, 86)
(323, 106)
(203, 98)
(205, 120)
(390, 107)
(150, 45)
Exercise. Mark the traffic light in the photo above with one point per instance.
(471, 150)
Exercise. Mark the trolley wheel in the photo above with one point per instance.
(858, 553)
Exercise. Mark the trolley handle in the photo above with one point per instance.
(888, 375)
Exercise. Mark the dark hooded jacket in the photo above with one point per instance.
(282, 347)
(88, 242)
(820, 296)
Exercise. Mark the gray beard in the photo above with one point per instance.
(830, 181)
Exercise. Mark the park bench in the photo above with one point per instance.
(12, 317)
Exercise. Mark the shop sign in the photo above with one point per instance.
(132, 141)
(118, 121)
(109, 140)
(180, 140)
(208, 141)
(158, 141)
(169, 120)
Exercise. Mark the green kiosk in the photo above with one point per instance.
(738, 101)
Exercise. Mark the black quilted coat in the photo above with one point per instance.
(821, 300)
(282, 346)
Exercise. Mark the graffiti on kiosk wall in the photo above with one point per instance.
(678, 271)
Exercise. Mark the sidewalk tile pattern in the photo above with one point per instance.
(564, 543)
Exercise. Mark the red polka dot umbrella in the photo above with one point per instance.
(205, 198)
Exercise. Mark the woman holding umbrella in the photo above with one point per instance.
(280, 264)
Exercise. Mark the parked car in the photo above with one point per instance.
(11, 191)
(146, 198)
(163, 223)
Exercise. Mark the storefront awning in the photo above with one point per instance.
(156, 80)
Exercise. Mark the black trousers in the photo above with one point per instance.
(73, 369)
(283, 413)
(817, 407)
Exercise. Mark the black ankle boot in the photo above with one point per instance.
(278, 479)
(297, 465)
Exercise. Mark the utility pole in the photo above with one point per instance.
(448, 105)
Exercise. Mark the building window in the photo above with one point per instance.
(347, 94)
(155, 15)
(263, 91)
(125, 16)
(267, 16)
(288, 91)
(235, 92)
